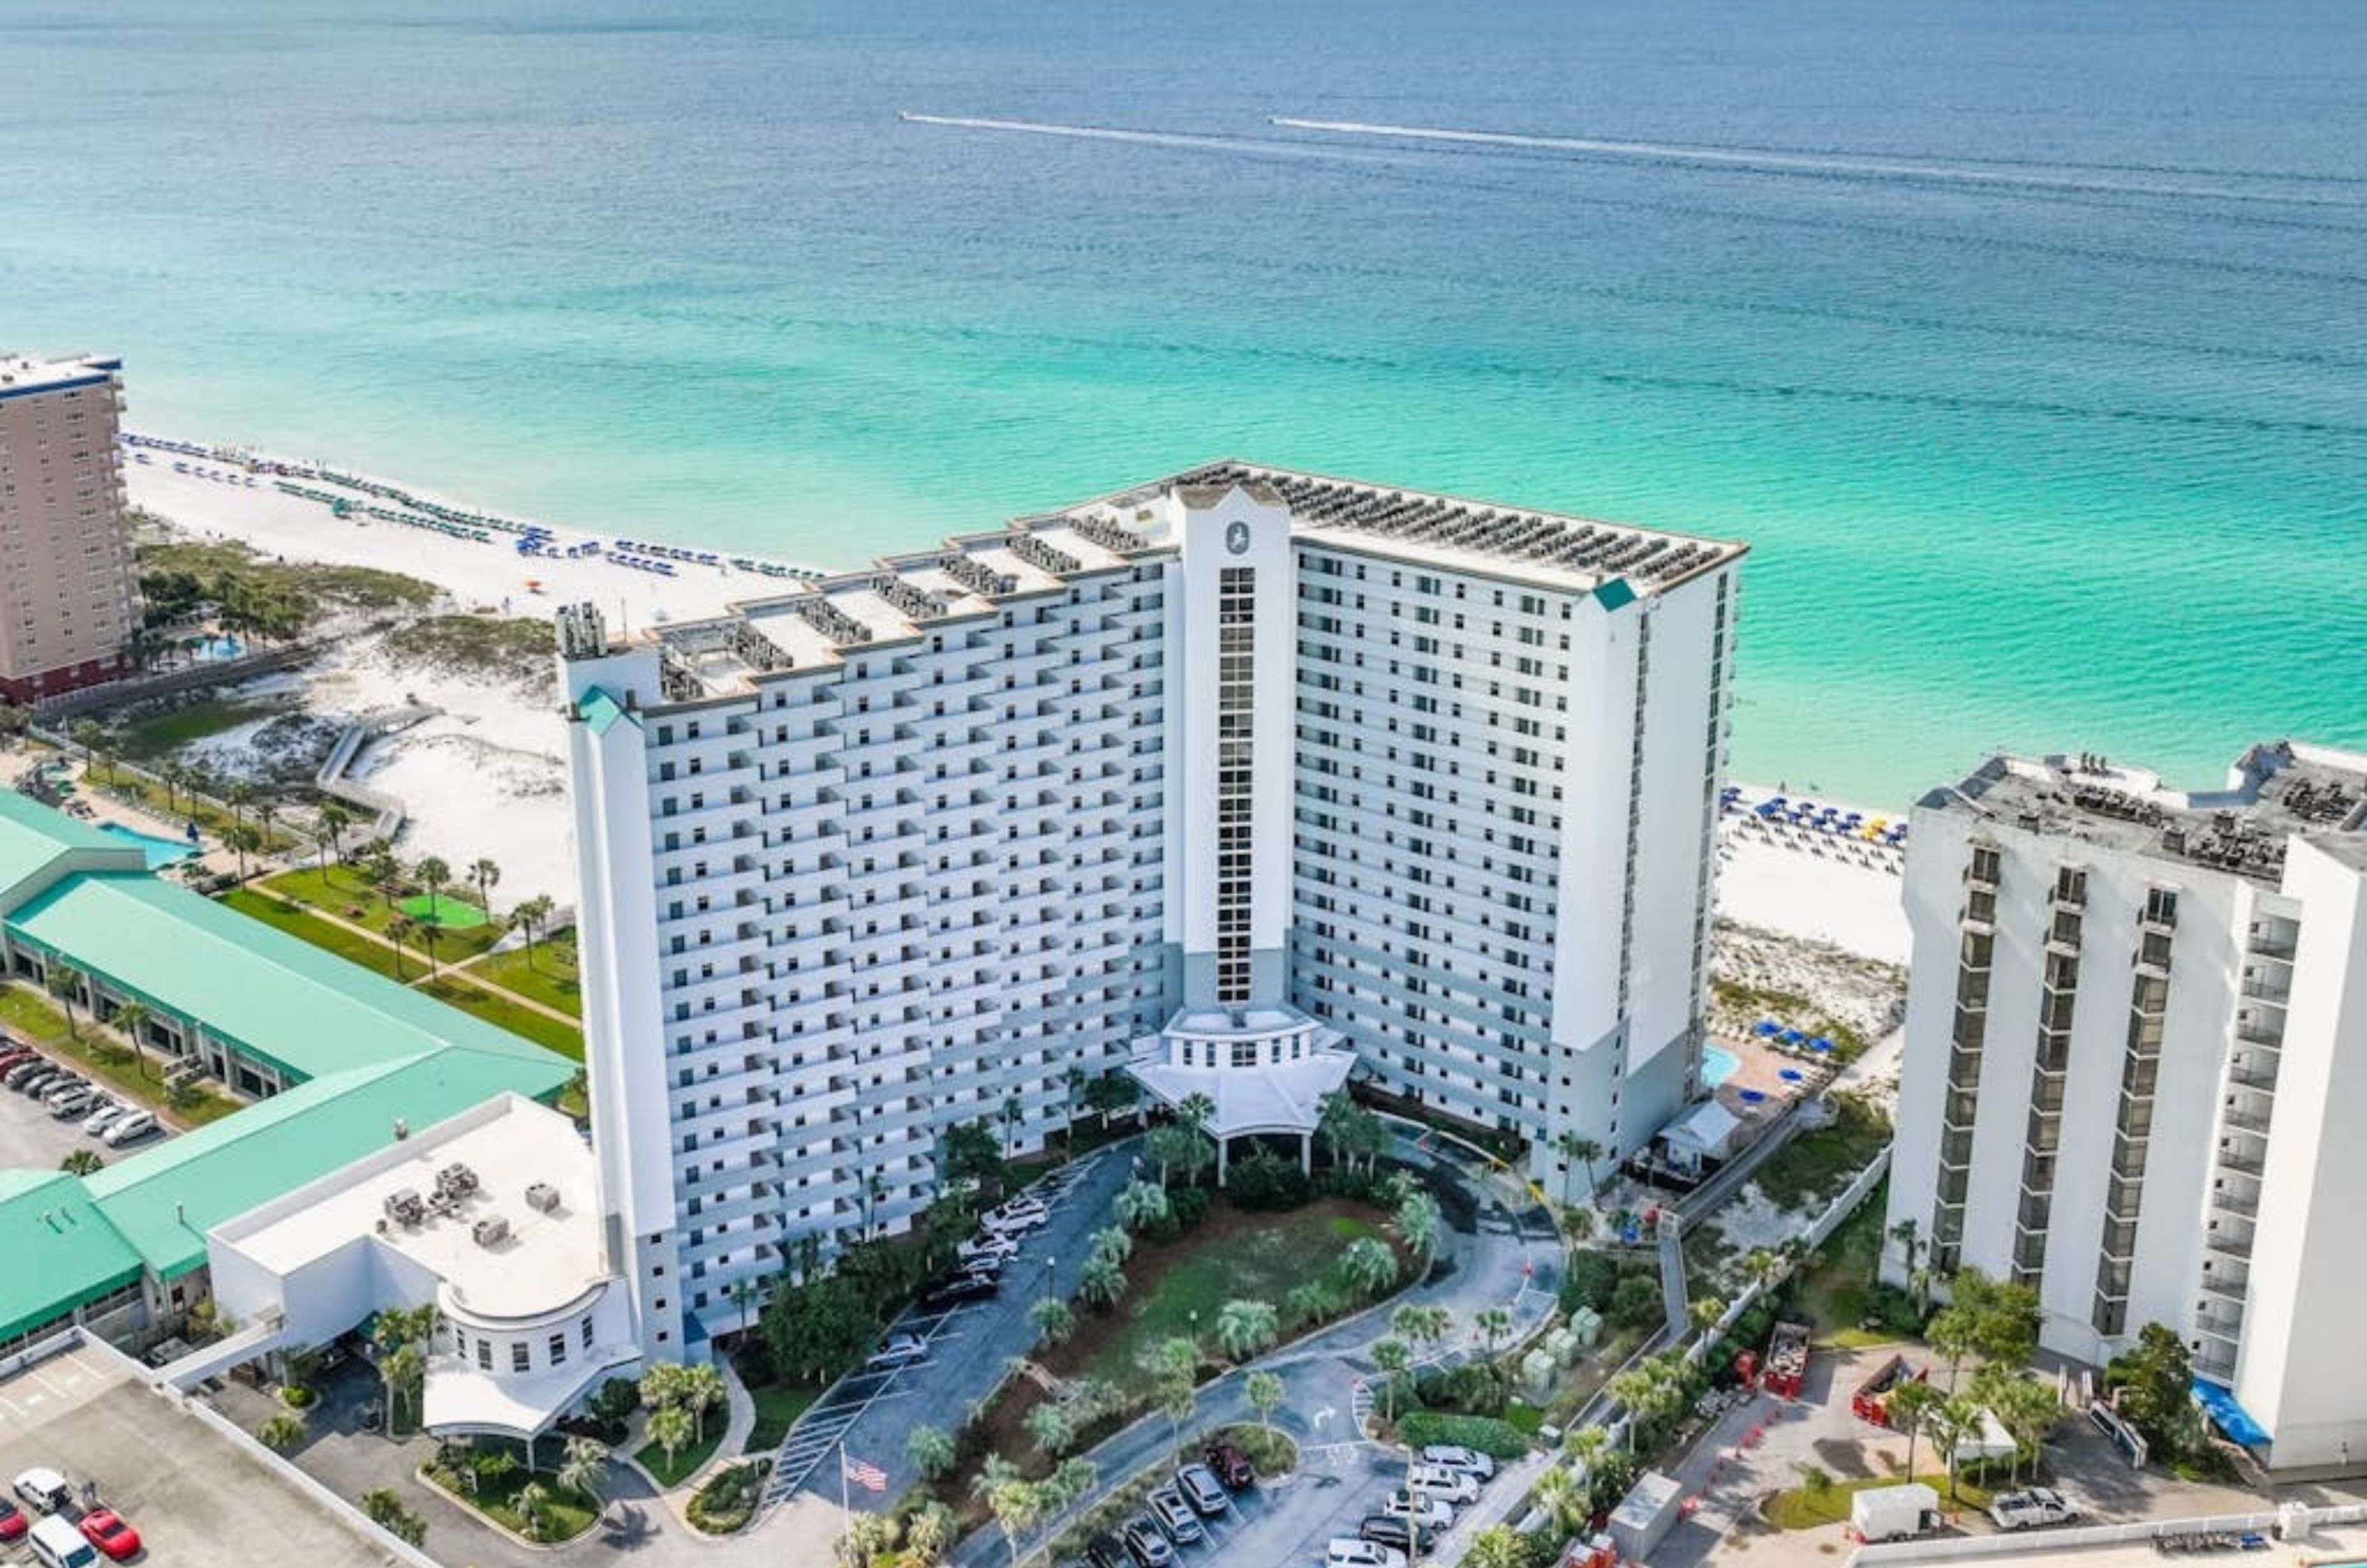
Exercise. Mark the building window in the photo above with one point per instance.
(559, 1349)
(587, 1332)
(520, 1357)
(484, 1355)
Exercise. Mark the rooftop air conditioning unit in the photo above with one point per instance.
(491, 1231)
(543, 1198)
(404, 1207)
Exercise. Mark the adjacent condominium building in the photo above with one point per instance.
(66, 610)
(2135, 1037)
(1242, 781)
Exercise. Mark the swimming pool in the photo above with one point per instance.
(161, 852)
(1718, 1065)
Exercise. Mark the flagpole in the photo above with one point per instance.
(845, 1507)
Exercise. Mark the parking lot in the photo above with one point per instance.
(871, 1414)
(199, 1497)
(1288, 1525)
(32, 1137)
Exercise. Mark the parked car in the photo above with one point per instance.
(901, 1351)
(57, 1544)
(1145, 1544)
(57, 1088)
(2026, 1510)
(1019, 1214)
(1451, 1456)
(28, 1080)
(1105, 1552)
(959, 1288)
(1430, 1513)
(980, 1249)
(104, 1113)
(1203, 1491)
(13, 1523)
(1174, 1515)
(1436, 1481)
(16, 1057)
(44, 1488)
(22, 1073)
(105, 1530)
(1383, 1530)
(1355, 1552)
(1231, 1465)
(72, 1103)
(128, 1129)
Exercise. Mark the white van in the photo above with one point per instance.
(59, 1545)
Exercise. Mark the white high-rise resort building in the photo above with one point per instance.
(1237, 780)
(2136, 1069)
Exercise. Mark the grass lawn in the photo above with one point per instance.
(1838, 1298)
(275, 911)
(30, 1017)
(687, 1460)
(153, 797)
(1811, 1170)
(566, 1515)
(549, 979)
(550, 1033)
(779, 1405)
(444, 911)
(344, 892)
(1228, 1257)
(161, 734)
(1806, 1507)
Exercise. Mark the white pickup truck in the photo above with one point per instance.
(2025, 1510)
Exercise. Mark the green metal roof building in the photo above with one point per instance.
(341, 1059)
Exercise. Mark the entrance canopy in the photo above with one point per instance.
(1265, 1069)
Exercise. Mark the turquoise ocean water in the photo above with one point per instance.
(2027, 343)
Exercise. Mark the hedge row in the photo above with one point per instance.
(1496, 1439)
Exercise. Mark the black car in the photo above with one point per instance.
(1103, 1551)
(1383, 1530)
(959, 1288)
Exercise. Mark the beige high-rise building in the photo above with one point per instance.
(65, 554)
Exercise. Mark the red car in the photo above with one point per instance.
(104, 1529)
(12, 1520)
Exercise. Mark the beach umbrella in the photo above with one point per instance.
(1765, 1027)
(1791, 1037)
(1751, 1096)
(1821, 1043)
(1793, 1075)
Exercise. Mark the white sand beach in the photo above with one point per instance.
(489, 576)
(1818, 888)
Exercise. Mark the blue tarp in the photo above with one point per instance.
(2229, 1416)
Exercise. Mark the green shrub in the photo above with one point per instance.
(1496, 1438)
(1189, 1205)
(1636, 1303)
(729, 1498)
(1266, 1182)
(1594, 1276)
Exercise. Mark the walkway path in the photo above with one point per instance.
(327, 916)
(1506, 1254)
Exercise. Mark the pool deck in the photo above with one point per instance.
(1760, 1068)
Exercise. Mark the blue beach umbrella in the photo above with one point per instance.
(1791, 1037)
(1820, 1044)
(1765, 1027)
(1751, 1096)
(1791, 1074)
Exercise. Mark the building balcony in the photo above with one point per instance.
(2220, 1326)
(2229, 1283)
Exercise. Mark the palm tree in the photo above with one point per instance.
(1265, 1391)
(1072, 1083)
(111, 755)
(1111, 1242)
(1369, 1265)
(1139, 1204)
(533, 1504)
(82, 1162)
(930, 1533)
(86, 733)
(1419, 1226)
(1052, 1319)
(1049, 1429)
(1310, 1301)
(1577, 1148)
(131, 1019)
(237, 797)
(174, 775)
(1102, 1282)
(399, 931)
(1495, 1325)
(64, 981)
(245, 840)
(331, 822)
(1391, 1359)
(400, 1335)
(430, 932)
(1017, 1507)
(1245, 1328)
(266, 813)
(584, 1467)
(484, 873)
(931, 1450)
(1195, 1111)
(670, 1428)
(435, 876)
(283, 1431)
(1013, 1111)
(1558, 1493)
(530, 916)
(1586, 1446)
(702, 1389)
(1908, 1410)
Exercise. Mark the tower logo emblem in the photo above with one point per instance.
(1237, 537)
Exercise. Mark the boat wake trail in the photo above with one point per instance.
(1846, 166)
(1196, 141)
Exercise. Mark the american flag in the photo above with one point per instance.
(863, 1473)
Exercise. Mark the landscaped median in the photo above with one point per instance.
(28, 1016)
